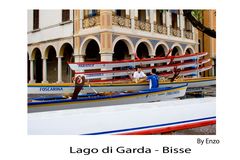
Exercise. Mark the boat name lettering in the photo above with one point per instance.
(51, 89)
(93, 75)
(171, 93)
(85, 65)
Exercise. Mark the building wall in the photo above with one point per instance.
(50, 25)
(207, 43)
(106, 29)
(126, 26)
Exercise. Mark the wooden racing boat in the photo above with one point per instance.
(128, 119)
(79, 66)
(105, 99)
(115, 86)
(108, 80)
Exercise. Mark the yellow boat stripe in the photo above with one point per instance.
(120, 84)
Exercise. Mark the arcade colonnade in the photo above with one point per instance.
(48, 62)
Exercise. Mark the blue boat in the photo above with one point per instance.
(53, 103)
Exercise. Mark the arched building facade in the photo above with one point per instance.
(104, 35)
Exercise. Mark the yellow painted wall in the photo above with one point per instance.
(208, 44)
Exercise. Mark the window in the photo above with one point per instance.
(65, 15)
(159, 17)
(199, 46)
(142, 15)
(121, 13)
(92, 13)
(35, 19)
(174, 20)
(188, 25)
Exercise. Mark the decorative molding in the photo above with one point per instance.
(82, 38)
(162, 29)
(175, 32)
(188, 34)
(91, 22)
(121, 21)
(144, 26)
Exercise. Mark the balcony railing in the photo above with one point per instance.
(162, 29)
(144, 26)
(121, 21)
(175, 32)
(91, 22)
(188, 34)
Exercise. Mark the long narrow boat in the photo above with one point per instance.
(166, 70)
(115, 86)
(129, 119)
(79, 66)
(95, 100)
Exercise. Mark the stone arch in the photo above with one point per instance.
(127, 41)
(52, 63)
(148, 45)
(189, 49)
(85, 42)
(46, 51)
(63, 47)
(178, 48)
(122, 48)
(66, 54)
(29, 54)
(33, 52)
(28, 67)
(164, 45)
(36, 55)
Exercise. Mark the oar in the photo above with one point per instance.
(91, 87)
(170, 50)
(176, 73)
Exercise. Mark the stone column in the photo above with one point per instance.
(76, 47)
(127, 13)
(106, 56)
(182, 20)
(81, 17)
(132, 14)
(44, 70)
(168, 21)
(78, 58)
(136, 13)
(152, 18)
(106, 37)
(59, 69)
(132, 57)
(31, 72)
(147, 15)
(178, 21)
(164, 17)
(195, 34)
(152, 56)
(106, 50)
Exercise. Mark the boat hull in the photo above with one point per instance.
(150, 118)
(79, 66)
(123, 98)
(68, 88)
